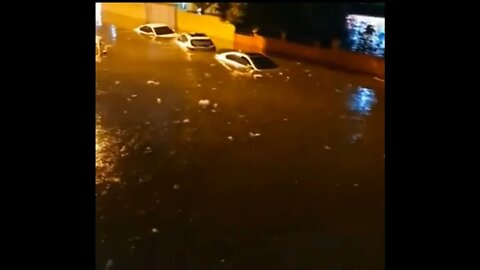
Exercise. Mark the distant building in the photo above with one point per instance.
(365, 25)
(191, 7)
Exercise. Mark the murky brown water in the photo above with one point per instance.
(283, 173)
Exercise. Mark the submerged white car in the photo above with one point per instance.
(100, 48)
(195, 41)
(247, 62)
(156, 30)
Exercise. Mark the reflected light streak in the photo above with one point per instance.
(113, 32)
(362, 100)
(106, 154)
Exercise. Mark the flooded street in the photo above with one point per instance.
(200, 168)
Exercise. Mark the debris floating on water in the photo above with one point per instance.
(378, 79)
(338, 90)
(207, 75)
(230, 138)
(355, 185)
(285, 119)
(148, 150)
(252, 134)
(204, 102)
(257, 76)
(214, 88)
(134, 95)
(176, 186)
(327, 147)
(153, 82)
(117, 82)
(356, 137)
(185, 121)
(159, 100)
(154, 230)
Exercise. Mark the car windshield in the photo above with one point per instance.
(163, 30)
(202, 42)
(262, 62)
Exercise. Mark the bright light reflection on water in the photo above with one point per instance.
(362, 100)
(106, 154)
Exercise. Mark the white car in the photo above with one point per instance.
(156, 30)
(100, 48)
(195, 41)
(247, 62)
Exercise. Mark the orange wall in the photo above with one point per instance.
(211, 25)
(334, 57)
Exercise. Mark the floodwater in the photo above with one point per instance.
(202, 168)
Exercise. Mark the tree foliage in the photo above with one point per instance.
(232, 12)
(313, 21)
(203, 5)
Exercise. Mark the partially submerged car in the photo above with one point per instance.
(250, 63)
(156, 30)
(100, 48)
(195, 41)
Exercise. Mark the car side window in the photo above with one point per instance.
(232, 57)
(237, 59)
(146, 29)
(244, 61)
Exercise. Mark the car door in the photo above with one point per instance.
(233, 60)
(238, 63)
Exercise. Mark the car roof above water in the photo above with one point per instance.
(195, 34)
(154, 25)
(255, 54)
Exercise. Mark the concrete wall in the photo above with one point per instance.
(333, 57)
(128, 15)
(161, 13)
(223, 33)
